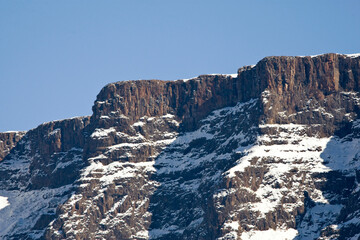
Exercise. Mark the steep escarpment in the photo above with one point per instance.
(38, 175)
(311, 90)
(287, 82)
(8, 140)
(302, 170)
(270, 151)
(189, 101)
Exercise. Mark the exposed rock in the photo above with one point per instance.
(8, 140)
(288, 82)
(273, 151)
(189, 100)
(39, 174)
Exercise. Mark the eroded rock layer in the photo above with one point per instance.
(270, 152)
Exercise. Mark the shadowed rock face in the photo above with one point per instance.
(214, 157)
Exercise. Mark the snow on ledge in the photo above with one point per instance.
(233, 75)
(278, 234)
(4, 202)
(168, 116)
(102, 133)
(186, 79)
(353, 55)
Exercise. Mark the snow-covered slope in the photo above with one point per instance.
(295, 173)
(36, 178)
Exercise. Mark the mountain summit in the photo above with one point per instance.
(272, 152)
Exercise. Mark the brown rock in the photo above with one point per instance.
(8, 141)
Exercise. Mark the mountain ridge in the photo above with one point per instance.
(213, 157)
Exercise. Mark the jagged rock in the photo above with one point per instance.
(38, 175)
(8, 140)
(270, 151)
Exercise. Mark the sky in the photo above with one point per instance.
(55, 56)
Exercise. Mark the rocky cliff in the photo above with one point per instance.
(8, 140)
(271, 152)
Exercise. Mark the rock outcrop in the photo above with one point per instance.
(272, 150)
(8, 140)
(290, 80)
(189, 101)
(38, 175)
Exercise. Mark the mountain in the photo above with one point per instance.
(272, 152)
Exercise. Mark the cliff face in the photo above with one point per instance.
(297, 86)
(38, 175)
(189, 101)
(288, 81)
(215, 157)
(8, 140)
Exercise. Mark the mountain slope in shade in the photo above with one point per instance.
(269, 153)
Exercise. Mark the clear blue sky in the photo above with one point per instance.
(55, 56)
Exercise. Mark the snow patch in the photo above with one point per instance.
(296, 147)
(342, 155)
(4, 202)
(278, 234)
(168, 116)
(138, 124)
(102, 133)
(353, 55)
(55, 132)
(265, 96)
(21, 210)
(234, 225)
